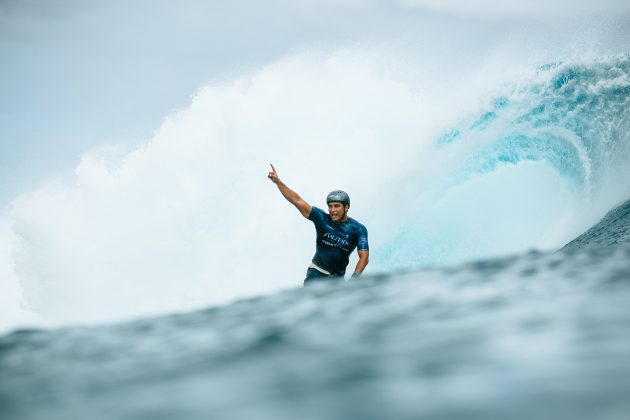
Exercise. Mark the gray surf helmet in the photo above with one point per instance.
(340, 196)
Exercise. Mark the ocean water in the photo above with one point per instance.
(433, 331)
(537, 335)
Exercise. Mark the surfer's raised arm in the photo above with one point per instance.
(337, 234)
(291, 196)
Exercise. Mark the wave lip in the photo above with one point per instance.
(572, 115)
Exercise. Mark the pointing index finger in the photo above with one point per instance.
(274, 169)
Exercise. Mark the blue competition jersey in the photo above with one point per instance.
(336, 241)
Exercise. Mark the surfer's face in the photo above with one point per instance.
(337, 210)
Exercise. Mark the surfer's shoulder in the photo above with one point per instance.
(355, 223)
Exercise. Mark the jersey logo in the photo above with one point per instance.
(336, 239)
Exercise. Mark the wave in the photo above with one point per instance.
(370, 349)
(575, 116)
(572, 118)
(179, 222)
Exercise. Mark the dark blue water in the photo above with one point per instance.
(533, 336)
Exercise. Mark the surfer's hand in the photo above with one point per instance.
(273, 175)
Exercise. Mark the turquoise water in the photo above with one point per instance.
(570, 118)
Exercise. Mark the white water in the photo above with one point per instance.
(189, 219)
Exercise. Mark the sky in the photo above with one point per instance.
(135, 138)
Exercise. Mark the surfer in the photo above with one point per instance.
(337, 234)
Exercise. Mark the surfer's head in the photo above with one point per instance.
(338, 205)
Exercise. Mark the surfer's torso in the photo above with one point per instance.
(336, 241)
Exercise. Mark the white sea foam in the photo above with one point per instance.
(189, 219)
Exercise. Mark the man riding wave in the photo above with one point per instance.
(337, 234)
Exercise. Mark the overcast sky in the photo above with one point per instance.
(76, 75)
